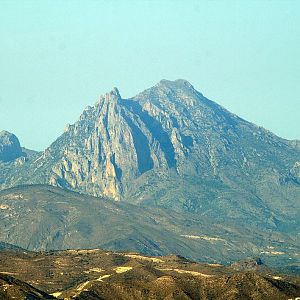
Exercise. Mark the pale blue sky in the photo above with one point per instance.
(57, 57)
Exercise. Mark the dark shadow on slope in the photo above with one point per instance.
(156, 129)
(145, 162)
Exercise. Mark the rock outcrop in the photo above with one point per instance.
(97, 274)
(169, 148)
(10, 148)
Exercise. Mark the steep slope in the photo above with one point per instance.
(98, 274)
(170, 146)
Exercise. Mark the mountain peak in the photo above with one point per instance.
(115, 92)
(10, 148)
(113, 95)
(176, 83)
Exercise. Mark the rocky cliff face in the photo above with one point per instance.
(171, 146)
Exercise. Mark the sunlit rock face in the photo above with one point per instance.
(10, 148)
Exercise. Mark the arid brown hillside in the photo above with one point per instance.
(57, 219)
(97, 274)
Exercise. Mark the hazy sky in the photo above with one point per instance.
(56, 57)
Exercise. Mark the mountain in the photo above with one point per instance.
(97, 274)
(169, 140)
(171, 149)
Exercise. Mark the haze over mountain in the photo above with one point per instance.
(60, 219)
(170, 147)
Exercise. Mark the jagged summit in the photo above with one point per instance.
(114, 93)
(112, 96)
(177, 85)
(163, 85)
